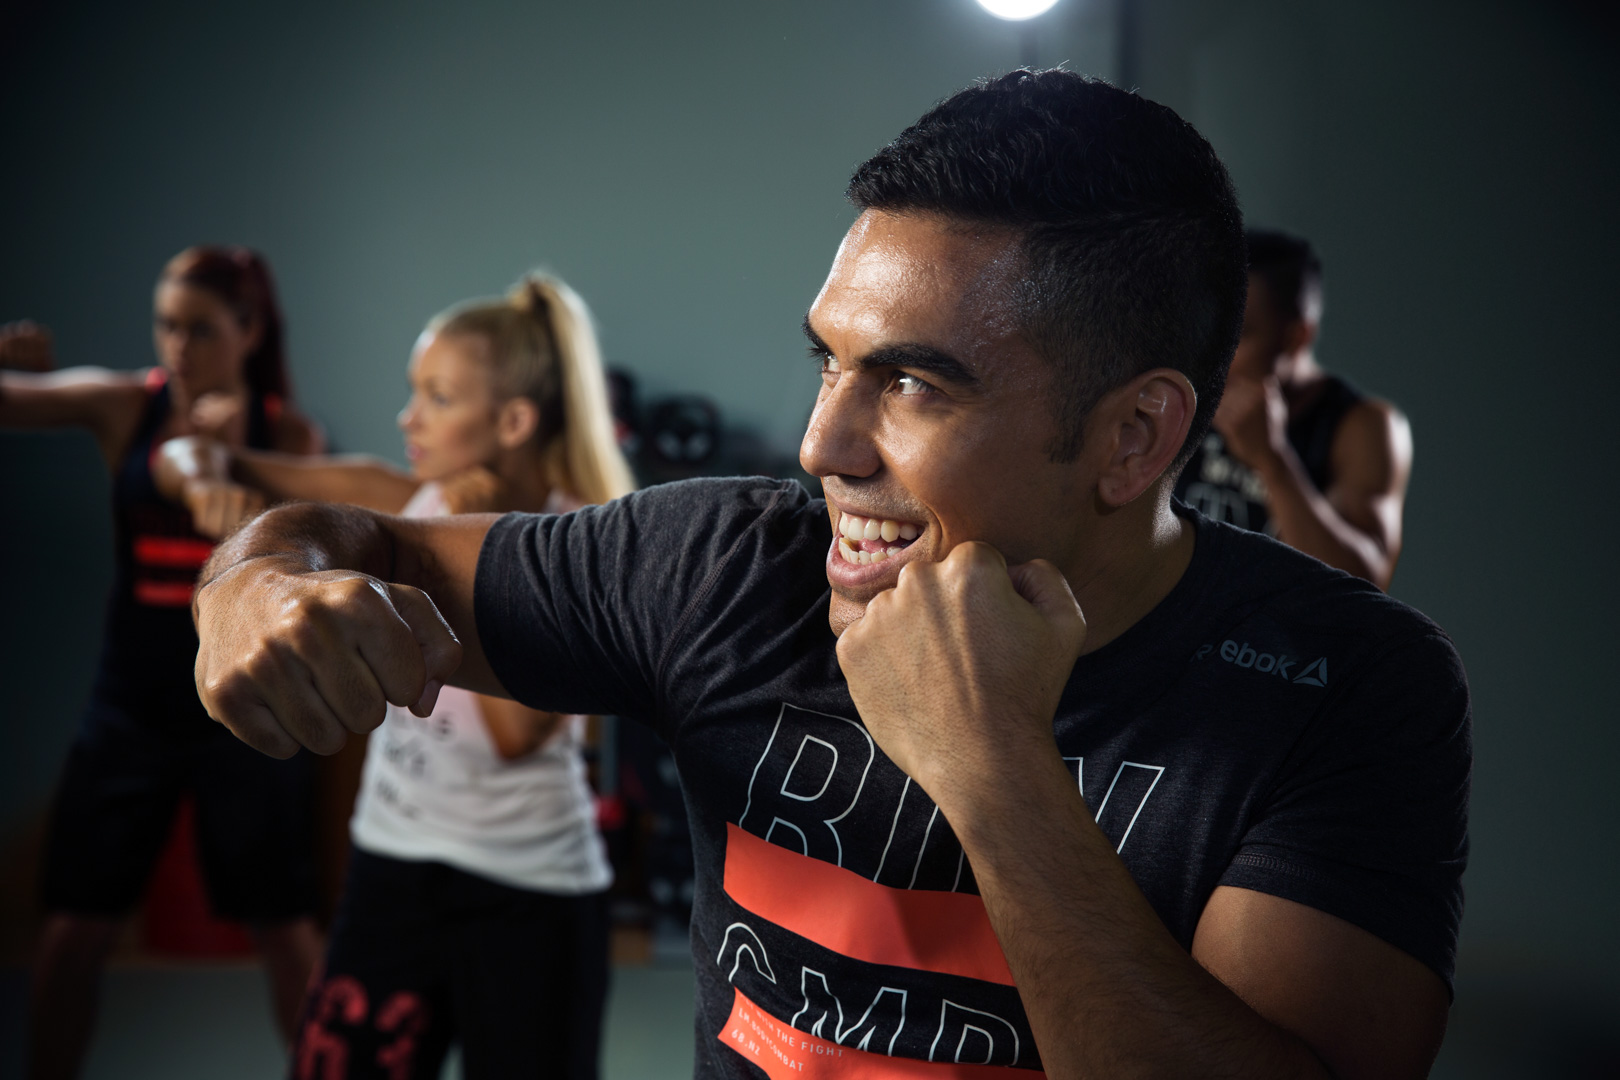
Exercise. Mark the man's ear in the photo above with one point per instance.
(518, 420)
(1142, 425)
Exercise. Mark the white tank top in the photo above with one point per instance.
(435, 788)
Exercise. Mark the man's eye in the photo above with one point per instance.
(910, 384)
(829, 363)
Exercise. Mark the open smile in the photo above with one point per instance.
(866, 540)
(868, 550)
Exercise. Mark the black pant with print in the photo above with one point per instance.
(424, 955)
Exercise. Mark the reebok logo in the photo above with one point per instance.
(1245, 655)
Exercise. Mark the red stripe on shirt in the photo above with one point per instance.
(784, 1052)
(842, 911)
(164, 593)
(176, 551)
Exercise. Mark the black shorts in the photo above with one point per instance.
(115, 807)
(423, 955)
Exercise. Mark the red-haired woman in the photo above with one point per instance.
(145, 741)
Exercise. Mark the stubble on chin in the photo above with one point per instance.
(842, 613)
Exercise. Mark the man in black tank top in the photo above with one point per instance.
(1295, 452)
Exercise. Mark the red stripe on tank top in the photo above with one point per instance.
(174, 551)
(164, 593)
(923, 929)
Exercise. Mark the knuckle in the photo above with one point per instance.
(218, 692)
(368, 718)
(326, 741)
(269, 745)
(303, 636)
(259, 665)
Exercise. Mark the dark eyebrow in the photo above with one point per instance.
(816, 344)
(922, 358)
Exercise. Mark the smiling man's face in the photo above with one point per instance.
(935, 419)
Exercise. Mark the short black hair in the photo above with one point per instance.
(1290, 268)
(1130, 226)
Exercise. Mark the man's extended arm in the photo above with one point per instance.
(313, 616)
(957, 673)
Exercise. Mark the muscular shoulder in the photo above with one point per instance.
(1372, 446)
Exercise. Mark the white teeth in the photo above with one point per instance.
(854, 529)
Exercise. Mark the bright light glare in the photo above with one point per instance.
(1016, 9)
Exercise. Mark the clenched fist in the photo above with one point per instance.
(293, 658)
(1253, 419)
(962, 664)
(26, 346)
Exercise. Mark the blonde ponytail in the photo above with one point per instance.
(587, 454)
(543, 347)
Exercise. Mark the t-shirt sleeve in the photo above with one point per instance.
(576, 612)
(1369, 818)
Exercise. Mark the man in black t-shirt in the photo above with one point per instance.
(1295, 451)
(943, 822)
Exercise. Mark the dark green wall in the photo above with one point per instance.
(1458, 166)
(682, 165)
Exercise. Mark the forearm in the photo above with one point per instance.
(308, 625)
(516, 730)
(1108, 991)
(355, 479)
(1307, 521)
(309, 538)
(78, 397)
(438, 557)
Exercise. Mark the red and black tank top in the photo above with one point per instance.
(150, 645)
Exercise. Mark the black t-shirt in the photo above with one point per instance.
(1273, 724)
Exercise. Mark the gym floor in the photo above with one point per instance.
(225, 1011)
(1498, 1030)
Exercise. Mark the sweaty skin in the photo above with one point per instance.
(936, 417)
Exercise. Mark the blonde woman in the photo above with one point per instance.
(473, 910)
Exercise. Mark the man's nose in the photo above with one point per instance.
(839, 440)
